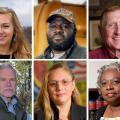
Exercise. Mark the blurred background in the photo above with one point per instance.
(95, 99)
(95, 9)
(78, 69)
(23, 9)
(24, 89)
(41, 11)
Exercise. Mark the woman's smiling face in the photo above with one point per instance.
(110, 86)
(6, 29)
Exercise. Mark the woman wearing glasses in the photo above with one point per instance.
(13, 43)
(59, 98)
(109, 87)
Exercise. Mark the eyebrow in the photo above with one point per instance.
(111, 79)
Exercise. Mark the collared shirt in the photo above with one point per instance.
(10, 105)
(101, 53)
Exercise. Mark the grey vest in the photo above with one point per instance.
(6, 115)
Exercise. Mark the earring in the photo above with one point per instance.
(14, 38)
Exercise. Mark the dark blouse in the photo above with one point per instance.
(76, 113)
(99, 113)
(6, 57)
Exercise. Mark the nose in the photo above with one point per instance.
(58, 28)
(8, 83)
(1, 30)
(109, 86)
(118, 29)
(59, 86)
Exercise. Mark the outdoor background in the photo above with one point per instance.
(23, 9)
(23, 82)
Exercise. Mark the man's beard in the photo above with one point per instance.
(64, 45)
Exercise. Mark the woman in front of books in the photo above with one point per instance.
(59, 98)
(13, 44)
(109, 87)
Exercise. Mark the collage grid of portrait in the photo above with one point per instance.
(58, 63)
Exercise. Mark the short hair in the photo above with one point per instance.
(105, 11)
(114, 66)
(9, 66)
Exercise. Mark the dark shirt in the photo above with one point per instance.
(5, 114)
(76, 113)
(99, 113)
(101, 53)
(6, 57)
(75, 52)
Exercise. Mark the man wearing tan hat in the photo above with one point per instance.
(61, 31)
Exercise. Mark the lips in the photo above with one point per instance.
(60, 94)
(110, 94)
(57, 37)
(1, 38)
(117, 38)
(9, 90)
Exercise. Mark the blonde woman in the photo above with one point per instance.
(59, 98)
(13, 43)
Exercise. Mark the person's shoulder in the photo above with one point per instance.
(80, 48)
(101, 109)
(38, 114)
(78, 53)
(80, 108)
(99, 113)
(78, 112)
(40, 57)
(96, 54)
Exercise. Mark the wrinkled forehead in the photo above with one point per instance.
(109, 16)
(4, 71)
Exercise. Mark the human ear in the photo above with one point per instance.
(73, 82)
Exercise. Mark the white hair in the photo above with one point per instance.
(9, 66)
(114, 66)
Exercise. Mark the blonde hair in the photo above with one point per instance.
(19, 47)
(43, 100)
(107, 10)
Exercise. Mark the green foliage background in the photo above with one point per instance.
(24, 88)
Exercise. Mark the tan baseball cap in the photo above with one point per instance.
(66, 14)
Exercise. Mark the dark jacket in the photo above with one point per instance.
(99, 113)
(75, 52)
(76, 112)
(6, 115)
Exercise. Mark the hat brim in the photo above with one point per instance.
(52, 17)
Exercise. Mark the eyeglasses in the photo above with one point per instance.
(63, 83)
(114, 82)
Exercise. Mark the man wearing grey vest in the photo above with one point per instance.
(10, 106)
